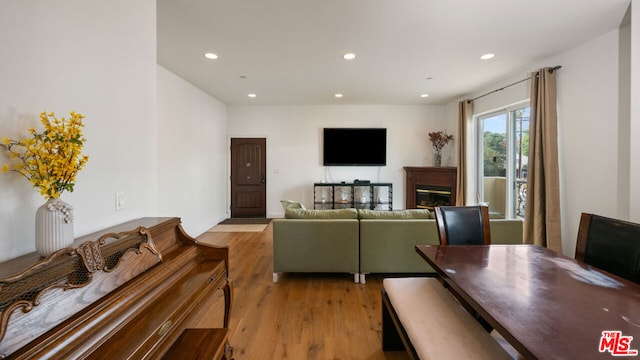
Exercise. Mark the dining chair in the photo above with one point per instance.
(463, 225)
(609, 244)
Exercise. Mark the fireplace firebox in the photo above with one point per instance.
(429, 196)
(427, 187)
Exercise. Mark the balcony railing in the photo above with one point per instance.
(495, 193)
(521, 197)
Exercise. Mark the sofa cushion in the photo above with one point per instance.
(320, 214)
(395, 214)
(290, 204)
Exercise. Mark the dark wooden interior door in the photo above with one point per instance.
(248, 177)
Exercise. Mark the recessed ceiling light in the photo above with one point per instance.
(338, 95)
(424, 95)
(252, 95)
(211, 56)
(487, 56)
(349, 56)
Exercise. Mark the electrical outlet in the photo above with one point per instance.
(119, 201)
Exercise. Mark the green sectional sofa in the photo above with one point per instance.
(363, 241)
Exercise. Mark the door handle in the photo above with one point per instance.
(264, 180)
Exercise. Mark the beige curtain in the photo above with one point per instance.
(465, 113)
(542, 213)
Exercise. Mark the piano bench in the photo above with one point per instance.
(421, 316)
(201, 344)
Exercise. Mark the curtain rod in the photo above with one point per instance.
(551, 70)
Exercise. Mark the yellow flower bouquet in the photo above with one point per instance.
(50, 159)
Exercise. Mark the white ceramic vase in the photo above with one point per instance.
(54, 227)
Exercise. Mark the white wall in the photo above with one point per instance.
(192, 154)
(294, 145)
(634, 121)
(588, 122)
(99, 59)
(593, 159)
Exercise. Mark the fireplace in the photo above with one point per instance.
(427, 187)
(430, 196)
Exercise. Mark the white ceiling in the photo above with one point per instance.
(290, 51)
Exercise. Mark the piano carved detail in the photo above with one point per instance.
(101, 296)
(64, 271)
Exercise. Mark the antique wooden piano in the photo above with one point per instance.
(127, 292)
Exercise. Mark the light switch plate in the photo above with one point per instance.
(119, 201)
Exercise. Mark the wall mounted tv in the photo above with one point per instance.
(355, 147)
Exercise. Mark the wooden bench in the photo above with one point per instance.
(423, 317)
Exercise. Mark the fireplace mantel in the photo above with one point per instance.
(424, 177)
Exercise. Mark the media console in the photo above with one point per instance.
(360, 195)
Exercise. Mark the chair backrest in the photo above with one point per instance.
(463, 225)
(610, 244)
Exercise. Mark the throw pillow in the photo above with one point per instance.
(290, 204)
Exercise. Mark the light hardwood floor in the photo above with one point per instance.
(304, 316)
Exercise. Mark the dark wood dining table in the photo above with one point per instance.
(546, 305)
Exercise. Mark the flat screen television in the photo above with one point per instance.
(354, 147)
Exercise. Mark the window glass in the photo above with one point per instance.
(502, 161)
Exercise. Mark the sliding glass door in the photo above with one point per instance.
(502, 160)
